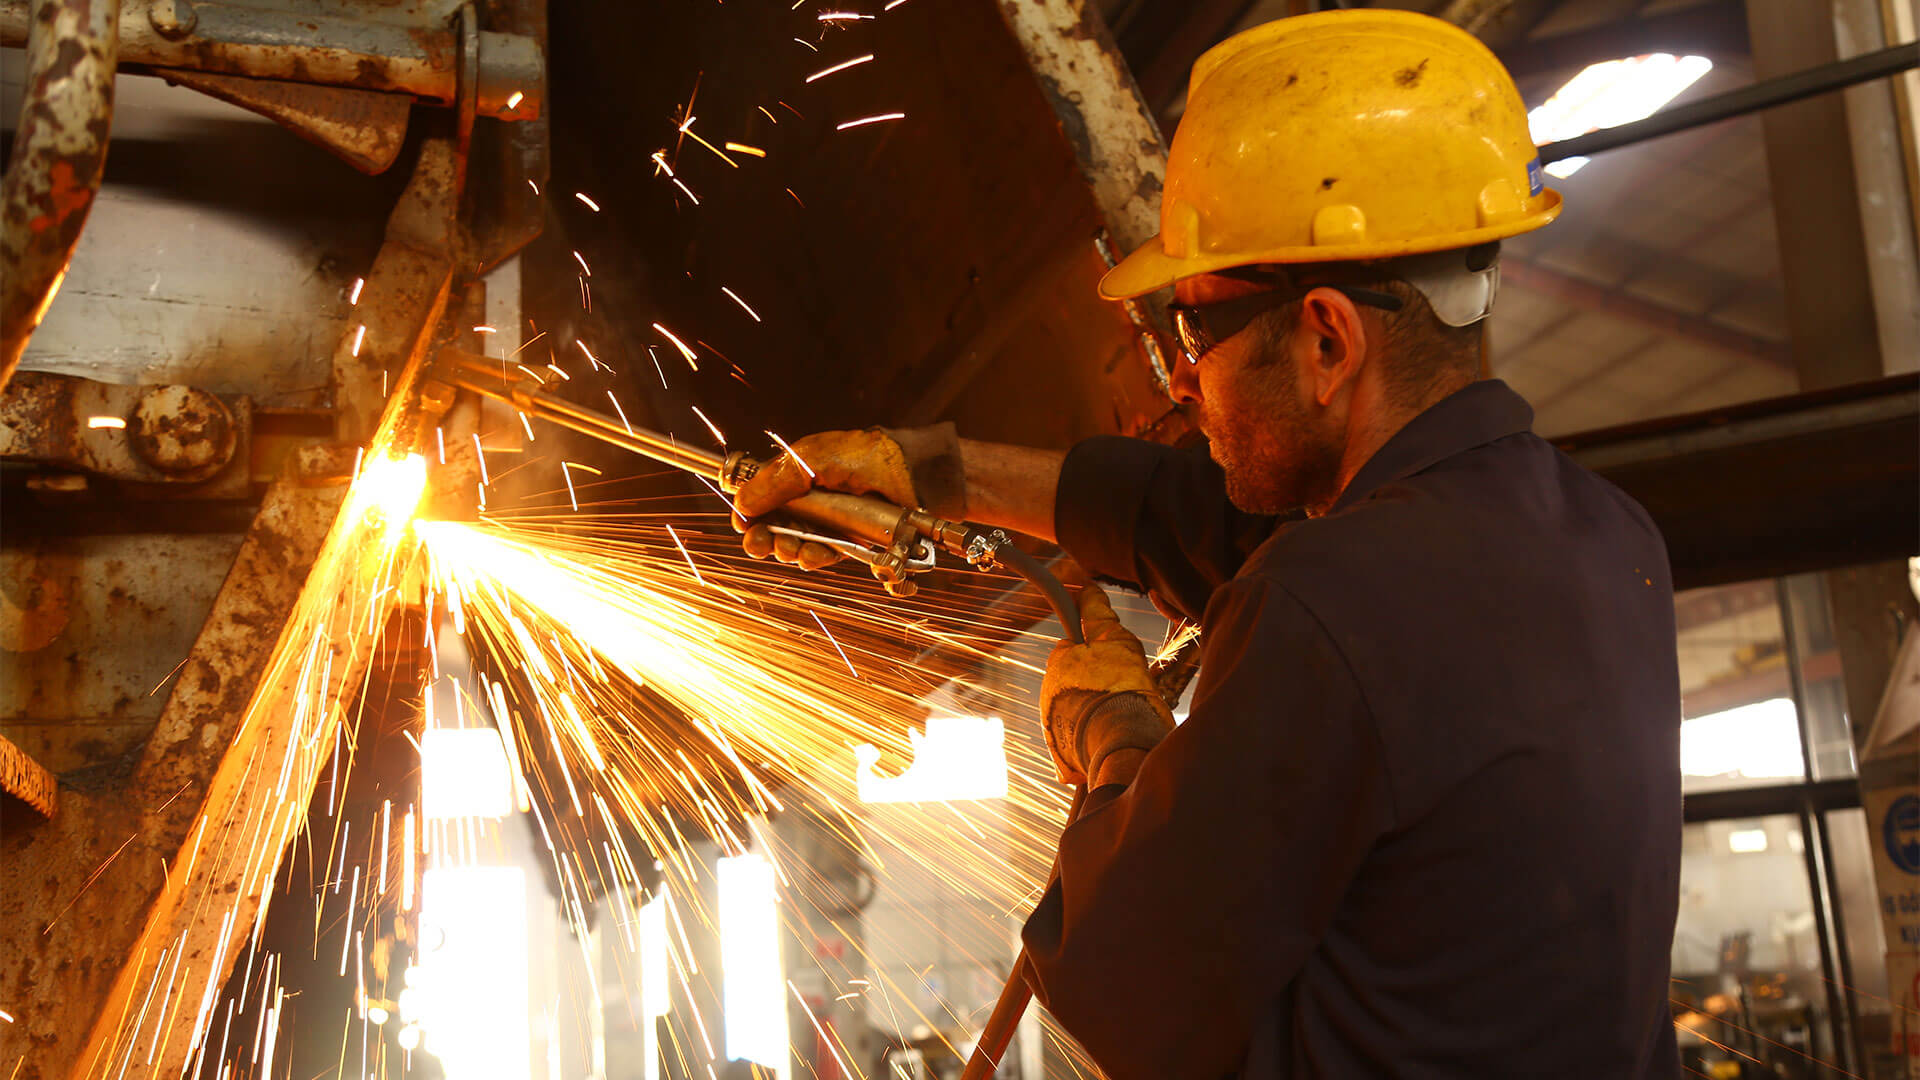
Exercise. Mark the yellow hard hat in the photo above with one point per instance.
(1341, 136)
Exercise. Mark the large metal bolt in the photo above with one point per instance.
(172, 18)
(183, 430)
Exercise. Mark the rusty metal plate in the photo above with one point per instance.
(364, 128)
(89, 628)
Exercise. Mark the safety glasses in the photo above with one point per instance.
(1200, 327)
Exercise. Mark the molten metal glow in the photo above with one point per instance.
(388, 492)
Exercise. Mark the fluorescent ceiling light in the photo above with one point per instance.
(1747, 841)
(1610, 94)
(958, 757)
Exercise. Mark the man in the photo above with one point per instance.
(1424, 818)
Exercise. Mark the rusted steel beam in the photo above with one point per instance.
(1099, 107)
(1697, 328)
(363, 128)
(59, 154)
(259, 789)
(405, 294)
(78, 886)
(1110, 127)
(324, 49)
(25, 779)
(134, 902)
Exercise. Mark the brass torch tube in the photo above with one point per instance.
(589, 422)
(858, 517)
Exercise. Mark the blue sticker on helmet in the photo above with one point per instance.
(1534, 183)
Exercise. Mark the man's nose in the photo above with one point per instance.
(1183, 380)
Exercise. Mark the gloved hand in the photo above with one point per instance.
(906, 466)
(1099, 701)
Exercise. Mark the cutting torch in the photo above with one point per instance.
(896, 543)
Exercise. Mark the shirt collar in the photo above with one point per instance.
(1472, 416)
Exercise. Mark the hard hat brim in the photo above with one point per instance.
(1150, 268)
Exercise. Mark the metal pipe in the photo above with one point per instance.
(59, 154)
(1761, 95)
(1813, 843)
(588, 422)
(325, 49)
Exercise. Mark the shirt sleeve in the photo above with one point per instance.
(1186, 902)
(1154, 517)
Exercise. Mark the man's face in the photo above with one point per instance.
(1281, 450)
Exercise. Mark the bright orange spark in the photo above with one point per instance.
(591, 205)
(836, 644)
(717, 437)
(686, 128)
(804, 467)
(842, 66)
(743, 148)
(622, 412)
(863, 121)
(688, 555)
(735, 297)
(692, 361)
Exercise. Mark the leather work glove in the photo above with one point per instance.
(906, 466)
(1098, 700)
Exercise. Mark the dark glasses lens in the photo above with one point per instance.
(1192, 332)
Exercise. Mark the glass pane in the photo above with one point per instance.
(1746, 951)
(1740, 726)
(1849, 845)
(1658, 290)
(1822, 684)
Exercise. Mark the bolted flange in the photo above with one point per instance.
(182, 430)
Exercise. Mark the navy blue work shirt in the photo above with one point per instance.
(1424, 818)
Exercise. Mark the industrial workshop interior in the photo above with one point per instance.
(1488, 648)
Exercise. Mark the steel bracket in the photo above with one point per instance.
(160, 441)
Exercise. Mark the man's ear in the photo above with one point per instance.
(1336, 343)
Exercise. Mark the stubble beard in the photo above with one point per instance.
(1278, 459)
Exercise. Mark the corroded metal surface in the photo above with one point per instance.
(169, 435)
(329, 50)
(67, 934)
(181, 430)
(364, 128)
(59, 154)
(1112, 132)
(92, 630)
(24, 779)
(405, 294)
(1093, 95)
